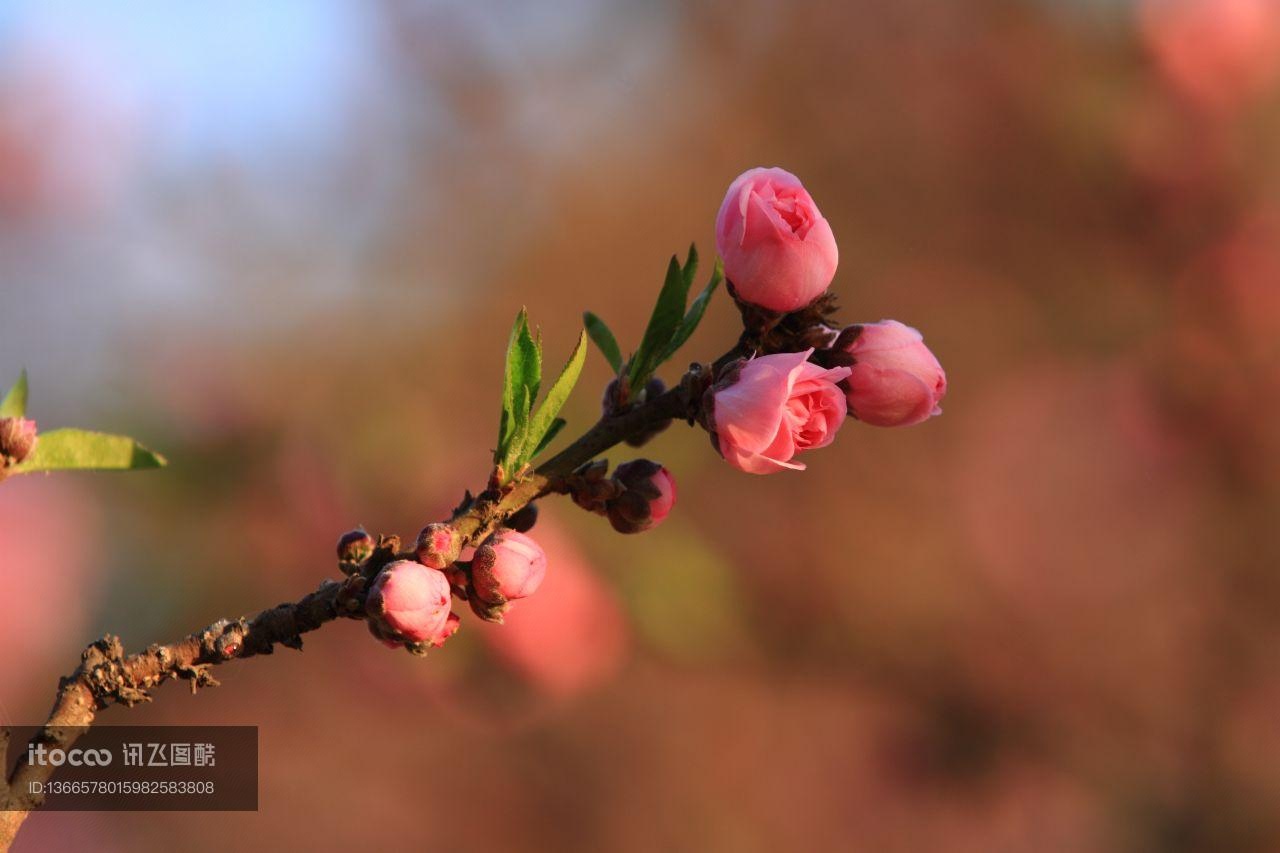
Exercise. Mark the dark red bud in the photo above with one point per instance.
(355, 546)
(647, 492)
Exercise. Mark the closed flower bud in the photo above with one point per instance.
(896, 380)
(438, 545)
(507, 566)
(354, 546)
(648, 491)
(17, 439)
(409, 603)
(763, 412)
(450, 628)
(778, 250)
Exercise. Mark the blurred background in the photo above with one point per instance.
(282, 243)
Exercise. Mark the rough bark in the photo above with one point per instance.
(107, 676)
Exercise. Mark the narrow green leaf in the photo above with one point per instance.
(63, 449)
(510, 382)
(696, 310)
(690, 269)
(603, 339)
(557, 394)
(511, 461)
(519, 386)
(533, 377)
(14, 404)
(552, 432)
(668, 312)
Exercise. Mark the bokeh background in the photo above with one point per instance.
(283, 242)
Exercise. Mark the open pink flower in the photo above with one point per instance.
(777, 406)
(778, 250)
(896, 380)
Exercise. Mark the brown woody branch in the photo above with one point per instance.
(107, 676)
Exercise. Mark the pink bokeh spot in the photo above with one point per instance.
(1217, 53)
(48, 535)
(572, 635)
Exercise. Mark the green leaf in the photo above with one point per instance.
(507, 423)
(14, 404)
(603, 339)
(696, 310)
(690, 269)
(552, 432)
(559, 392)
(668, 313)
(63, 449)
(519, 387)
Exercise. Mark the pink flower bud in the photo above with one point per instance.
(764, 411)
(507, 566)
(450, 628)
(17, 439)
(355, 546)
(438, 545)
(896, 381)
(409, 603)
(648, 491)
(778, 250)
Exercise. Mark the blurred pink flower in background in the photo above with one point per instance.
(1081, 516)
(49, 104)
(572, 635)
(1224, 338)
(48, 581)
(1218, 53)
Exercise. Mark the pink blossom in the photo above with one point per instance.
(896, 380)
(509, 565)
(410, 603)
(778, 250)
(777, 406)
